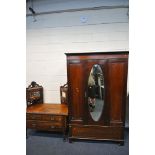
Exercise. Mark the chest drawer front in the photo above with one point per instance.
(33, 116)
(41, 125)
(31, 124)
(50, 126)
(52, 118)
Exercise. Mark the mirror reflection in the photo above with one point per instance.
(96, 92)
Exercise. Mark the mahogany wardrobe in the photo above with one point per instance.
(97, 90)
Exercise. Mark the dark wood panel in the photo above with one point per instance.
(117, 72)
(97, 132)
(96, 55)
(76, 91)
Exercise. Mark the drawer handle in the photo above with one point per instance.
(52, 127)
(33, 117)
(52, 118)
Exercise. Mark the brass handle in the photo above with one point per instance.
(33, 117)
(33, 124)
(52, 118)
(52, 127)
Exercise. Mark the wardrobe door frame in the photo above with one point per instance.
(73, 120)
(104, 117)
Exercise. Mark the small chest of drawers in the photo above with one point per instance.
(47, 117)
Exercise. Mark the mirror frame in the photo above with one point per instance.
(91, 91)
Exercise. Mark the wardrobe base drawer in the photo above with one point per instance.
(97, 132)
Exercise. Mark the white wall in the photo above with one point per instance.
(52, 35)
(55, 5)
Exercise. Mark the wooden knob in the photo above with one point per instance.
(77, 90)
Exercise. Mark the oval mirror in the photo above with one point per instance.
(96, 92)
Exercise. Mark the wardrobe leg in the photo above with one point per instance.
(70, 140)
(26, 134)
(121, 143)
